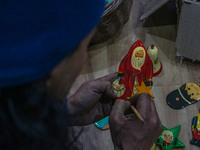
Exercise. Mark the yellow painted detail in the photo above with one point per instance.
(183, 96)
(153, 147)
(144, 89)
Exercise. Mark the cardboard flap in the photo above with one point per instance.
(151, 6)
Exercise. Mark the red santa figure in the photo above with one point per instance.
(135, 72)
(135, 69)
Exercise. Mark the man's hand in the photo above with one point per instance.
(92, 101)
(127, 131)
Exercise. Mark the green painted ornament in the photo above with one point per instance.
(108, 1)
(169, 138)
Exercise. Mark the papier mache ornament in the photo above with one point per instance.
(135, 73)
(196, 130)
(169, 138)
(187, 94)
(153, 54)
(134, 77)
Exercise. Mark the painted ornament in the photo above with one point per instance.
(153, 54)
(153, 147)
(134, 76)
(196, 130)
(108, 1)
(103, 124)
(169, 138)
(187, 94)
(135, 73)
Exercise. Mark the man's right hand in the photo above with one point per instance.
(127, 131)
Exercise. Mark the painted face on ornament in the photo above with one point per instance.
(138, 58)
(193, 90)
(167, 136)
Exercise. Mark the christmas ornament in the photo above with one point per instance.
(169, 138)
(134, 75)
(196, 130)
(135, 72)
(187, 94)
(153, 54)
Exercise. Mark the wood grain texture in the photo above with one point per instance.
(104, 59)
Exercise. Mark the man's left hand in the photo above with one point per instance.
(92, 101)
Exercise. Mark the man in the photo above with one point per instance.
(35, 37)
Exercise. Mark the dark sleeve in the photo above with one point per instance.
(64, 106)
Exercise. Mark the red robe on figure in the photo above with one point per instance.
(165, 143)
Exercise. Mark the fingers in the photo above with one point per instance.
(119, 109)
(155, 120)
(106, 108)
(155, 128)
(110, 92)
(154, 113)
(142, 103)
(145, 146)
(101, 86)
(104, 85)
(117, 120)
(134, 99)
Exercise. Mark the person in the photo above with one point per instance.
(39, 37)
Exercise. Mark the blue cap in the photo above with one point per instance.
(35, 35)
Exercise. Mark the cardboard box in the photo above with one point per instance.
(188, 36)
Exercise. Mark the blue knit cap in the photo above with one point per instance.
(35, 35)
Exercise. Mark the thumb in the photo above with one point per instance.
(109, 77)
(104, 85)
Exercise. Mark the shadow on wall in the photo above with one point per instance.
(166, 15)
